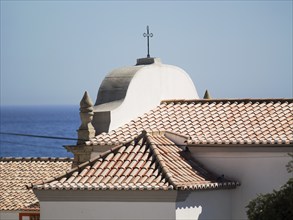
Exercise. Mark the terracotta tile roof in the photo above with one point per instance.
(32, 207)
(149, 162)
(16, 173)
(214, 121)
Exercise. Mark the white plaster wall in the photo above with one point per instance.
(107, 210)
(213, 204)
(149, 86)
(9, 215)
(258, 172)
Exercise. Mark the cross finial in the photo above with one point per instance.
(148, 35)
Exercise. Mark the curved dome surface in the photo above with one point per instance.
(128, 92)
(115, 84)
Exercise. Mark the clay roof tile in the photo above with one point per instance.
(20, 173)
(158, 164)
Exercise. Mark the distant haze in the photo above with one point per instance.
(51, 51)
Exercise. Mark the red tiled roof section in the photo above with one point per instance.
(16, 173)
(149, 162)
(32, 207)
(182, 170)
(237, 121)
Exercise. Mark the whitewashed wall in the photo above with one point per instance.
(108, 210)
(9, 215)
(205, 204)
(259, 170)
(107, 204)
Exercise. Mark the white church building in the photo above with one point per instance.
(150, 148)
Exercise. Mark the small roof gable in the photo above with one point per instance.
(148, 162)
(16, 173)
(213, 121)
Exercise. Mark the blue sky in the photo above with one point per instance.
(52, 51)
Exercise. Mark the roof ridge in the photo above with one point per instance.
(177, 134)
(89, 162)
(78, 168)
(6, 159)
(167, 174)
(245, 100)
(149, 150)
(163, 167)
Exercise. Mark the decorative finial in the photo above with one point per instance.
(86, 130)
(207, 95)
(148, 35)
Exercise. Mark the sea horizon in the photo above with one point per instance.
(38, 120)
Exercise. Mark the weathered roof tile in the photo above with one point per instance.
(16, 173)
(149, 162)
(244, 121)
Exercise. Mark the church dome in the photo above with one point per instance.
(128, 92)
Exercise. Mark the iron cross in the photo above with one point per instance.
(148, 35)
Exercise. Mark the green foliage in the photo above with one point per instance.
(273, 206)
(277, 205)
(289, 166)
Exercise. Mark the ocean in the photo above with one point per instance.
(54, 121)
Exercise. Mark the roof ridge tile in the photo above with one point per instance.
(228, 100)
(148, 169)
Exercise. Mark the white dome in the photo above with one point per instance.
(128, 92)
